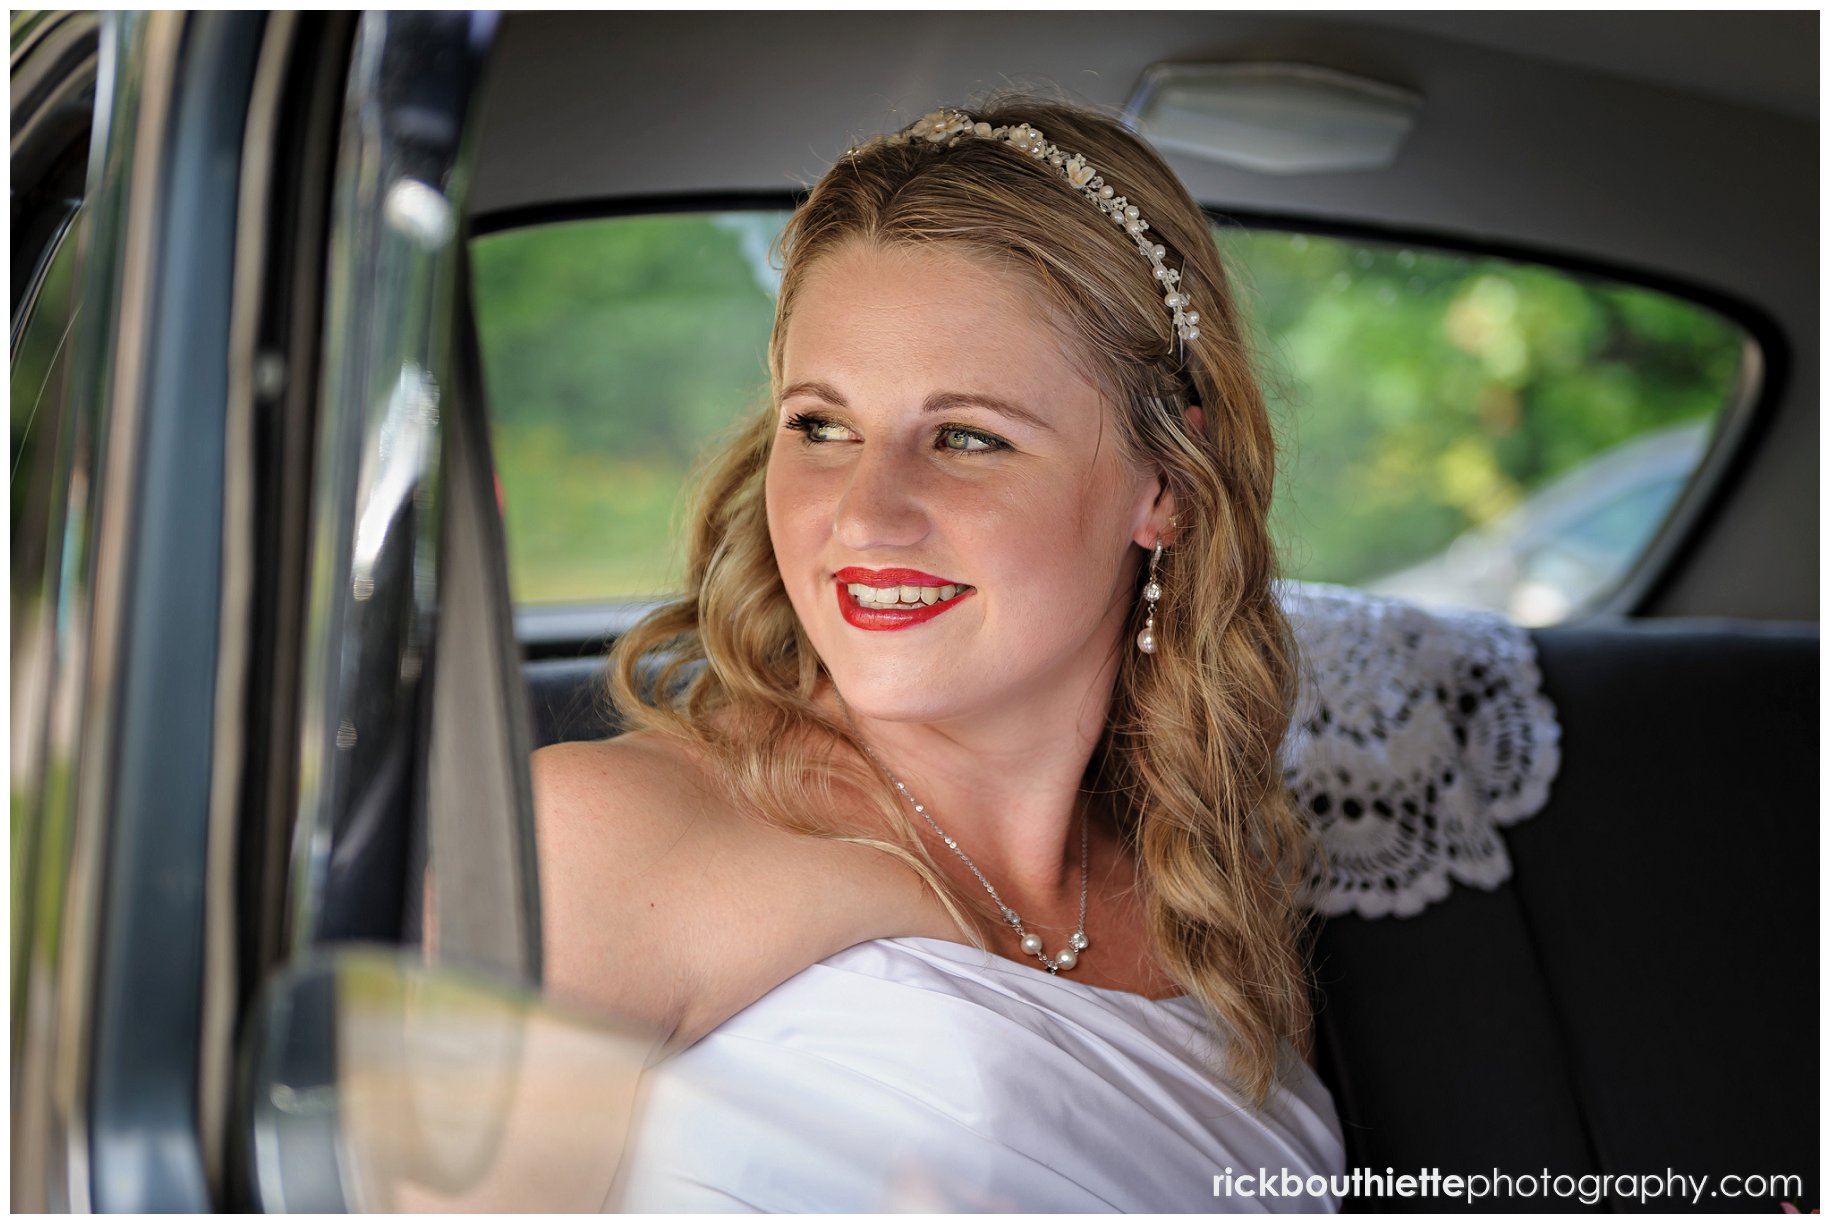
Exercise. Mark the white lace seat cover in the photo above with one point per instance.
(920, 1075)
(1418, 734)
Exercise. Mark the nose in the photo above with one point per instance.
(881, 505)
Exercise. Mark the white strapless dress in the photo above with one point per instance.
(917, 1074)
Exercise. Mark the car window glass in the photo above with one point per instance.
(613, 352)
(1448, 415)
(1450, 418)
(40, 361)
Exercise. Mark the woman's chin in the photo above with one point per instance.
(881, 698)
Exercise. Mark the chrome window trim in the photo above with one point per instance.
(34, 32)
(145, 1145)
(256, 388)
(393, 263)
(136, 69)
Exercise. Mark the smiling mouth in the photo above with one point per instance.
(894, 598)
(903, 597)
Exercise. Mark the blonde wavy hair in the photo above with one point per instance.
(1192, 745)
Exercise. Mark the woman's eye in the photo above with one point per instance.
(968, 440)
(817, 429)
(956, 439)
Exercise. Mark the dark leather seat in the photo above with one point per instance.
(569, 700)
(1642, 996)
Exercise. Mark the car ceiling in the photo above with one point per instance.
(1763, 59)
(1680, 145)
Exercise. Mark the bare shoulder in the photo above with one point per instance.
(621, 826)
(624, 804)
(628, 786)
(664, 901)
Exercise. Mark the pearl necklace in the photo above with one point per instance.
(1069, 956)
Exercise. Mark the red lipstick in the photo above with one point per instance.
(891, 577)
(862, 617)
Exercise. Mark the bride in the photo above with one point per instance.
(950, 848)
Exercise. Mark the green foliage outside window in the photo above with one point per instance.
(613, 352)
(1419, 394)
(1423, 393)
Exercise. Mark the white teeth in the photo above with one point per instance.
(902, 597)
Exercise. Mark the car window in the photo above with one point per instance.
(1450, 415)
(40, 362)
(614, 352)
(40, 357)
(1450, 418)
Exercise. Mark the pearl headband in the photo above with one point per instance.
(951, 125)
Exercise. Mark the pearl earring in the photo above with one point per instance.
(1146, 637)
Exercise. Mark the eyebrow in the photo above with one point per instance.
(940, 401)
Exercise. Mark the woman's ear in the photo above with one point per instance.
(1160, 523)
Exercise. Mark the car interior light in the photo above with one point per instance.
(1274, 118)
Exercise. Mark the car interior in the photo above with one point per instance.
(1641, 994)
(400, 336)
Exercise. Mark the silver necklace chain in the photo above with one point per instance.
(1069, 956)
